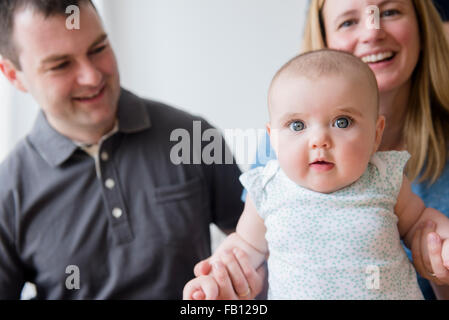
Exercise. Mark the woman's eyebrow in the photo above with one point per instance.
(346, 13)
(353, 11)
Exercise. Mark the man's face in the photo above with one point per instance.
(72, 74)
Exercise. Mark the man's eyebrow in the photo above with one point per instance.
(99, 40)
(56, 57)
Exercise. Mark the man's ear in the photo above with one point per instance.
(380, 126)
(11, 73)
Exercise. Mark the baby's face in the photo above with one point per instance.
(324, 131)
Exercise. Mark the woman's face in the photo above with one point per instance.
(391, 51)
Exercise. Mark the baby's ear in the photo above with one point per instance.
(273, 137)
(380, 126)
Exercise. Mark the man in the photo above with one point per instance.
(91, 204)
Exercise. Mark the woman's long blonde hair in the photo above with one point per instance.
(426, 129)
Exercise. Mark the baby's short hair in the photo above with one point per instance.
(326, 62)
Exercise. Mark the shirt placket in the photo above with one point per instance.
(117, 212)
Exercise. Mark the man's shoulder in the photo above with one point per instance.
(165, 115)
(16, 164)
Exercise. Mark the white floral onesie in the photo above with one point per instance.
(343, 245)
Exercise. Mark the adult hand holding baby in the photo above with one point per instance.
(431, 254)
(233, 273)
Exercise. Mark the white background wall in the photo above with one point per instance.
(214, 58)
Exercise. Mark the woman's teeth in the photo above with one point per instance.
(377, 57)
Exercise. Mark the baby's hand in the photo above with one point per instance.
(201, 288)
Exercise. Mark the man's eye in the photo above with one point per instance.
(297, 126)
(342, 122)
(98, 50)
(60, 66)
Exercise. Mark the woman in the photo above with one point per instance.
(408, 56)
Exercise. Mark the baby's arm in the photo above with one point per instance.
(249, 237)
(412, 212)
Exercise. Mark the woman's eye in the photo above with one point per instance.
(347, 23)
(389, 13)
(342, 123)
(297, 126)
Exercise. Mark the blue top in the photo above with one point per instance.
(434, 196)
(443, 8)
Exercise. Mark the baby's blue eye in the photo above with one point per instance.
(342, 122)
(297, 126)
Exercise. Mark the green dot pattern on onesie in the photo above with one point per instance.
(343, 245)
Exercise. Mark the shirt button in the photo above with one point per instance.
(110, 183)
(117, 212)
(104, 156)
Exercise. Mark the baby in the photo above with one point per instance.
(331, 211)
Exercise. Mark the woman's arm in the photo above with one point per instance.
(426, 232)
(412, 213)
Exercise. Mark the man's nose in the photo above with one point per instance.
(88, 75)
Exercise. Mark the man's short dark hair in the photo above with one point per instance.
(8, 10)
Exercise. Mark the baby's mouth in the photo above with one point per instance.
(322, 165)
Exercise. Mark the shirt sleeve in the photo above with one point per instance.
(255, 181)
(390, 165)
(265, 153)
(224, 188)
(12, 277)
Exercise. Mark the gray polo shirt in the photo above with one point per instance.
(135, 232)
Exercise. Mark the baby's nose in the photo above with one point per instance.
(320, 140)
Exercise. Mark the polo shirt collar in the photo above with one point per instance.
(56, 148)
(132, 114)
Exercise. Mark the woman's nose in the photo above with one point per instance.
(371, 33)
